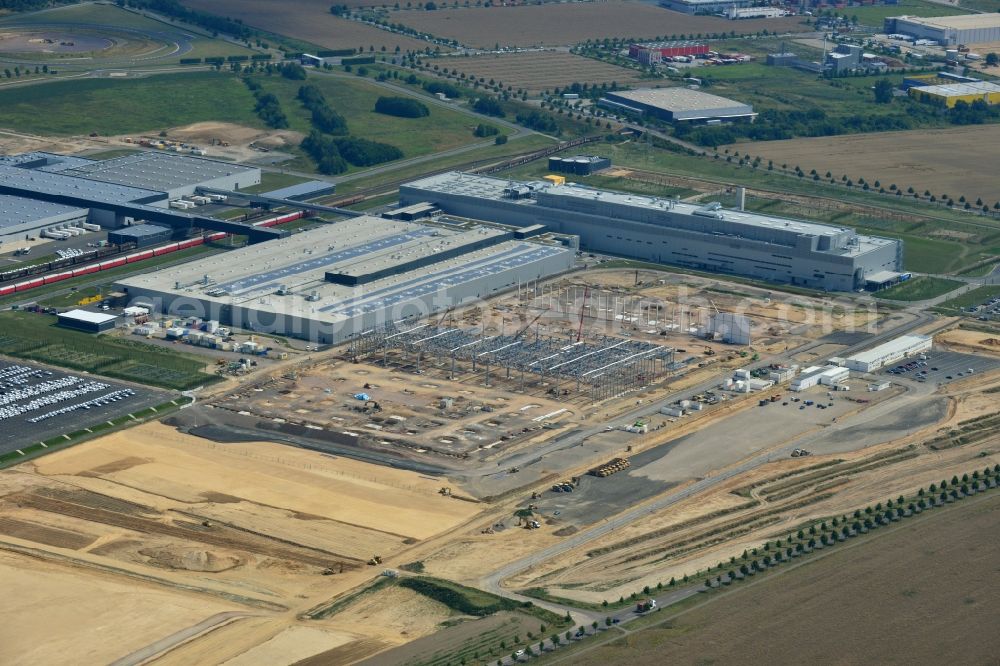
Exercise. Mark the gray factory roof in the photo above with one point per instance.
(734, 216)
(15, 211)
(956, 89)
(44, 161)
(254, 274)
(61, 183)
(959, 22)
(484, 187)
(677, 99)
(141, 230)
(301, 190)
(155, 170)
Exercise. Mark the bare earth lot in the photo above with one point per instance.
(309, 20)
(128, 539)
(561, 24)
(957, 162)
(544, 70)
(916, 596)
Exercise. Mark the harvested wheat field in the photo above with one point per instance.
(542, 70)
(259, 530)
(920, 594)
(309, 20)
(561, 24)
(956, 162)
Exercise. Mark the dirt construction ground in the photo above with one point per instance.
(201, 529)
(767, 503)
(918, 595)
(955, 161)
(571, 23)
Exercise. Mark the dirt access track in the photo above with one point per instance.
(957, 162)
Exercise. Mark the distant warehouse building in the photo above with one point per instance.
(668, 49)
(701, 236)
(704, 6)
(85, 320)
(142, 235)
(676, 105)
(947, 30)
(311, 189)
(950, 94)
(175, 175)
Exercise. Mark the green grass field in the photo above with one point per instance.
(991, 6)
(354, 98)
(38, 338)
(117, 106)
(486, 154)
(788, 89)
(919, 288)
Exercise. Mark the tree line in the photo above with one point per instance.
(268, 107)
(324, 118)
(176, 10)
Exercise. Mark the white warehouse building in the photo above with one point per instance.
(829, 375)
(346, 278)
(901, 347)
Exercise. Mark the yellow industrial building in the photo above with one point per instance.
(951, 93)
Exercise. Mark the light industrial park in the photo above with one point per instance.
(487, 335)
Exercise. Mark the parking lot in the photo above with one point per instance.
(38, 403)
(941, 367)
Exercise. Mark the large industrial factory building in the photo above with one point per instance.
(676, 105)
(34, 185)
(704, 237)
(948, 30)
(346, 278)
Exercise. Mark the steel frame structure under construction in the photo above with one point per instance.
(605, 366)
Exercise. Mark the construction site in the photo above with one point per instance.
(572, 441)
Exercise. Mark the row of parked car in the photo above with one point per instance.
(989, 308)
(45, 399)
(19, 375)
(106, 399)
(12, 395)
(904, 368)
